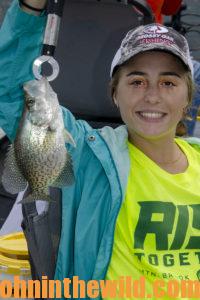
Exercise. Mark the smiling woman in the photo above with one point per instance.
(170, 83)
(152, 87)
(152, 95)
(146, 94)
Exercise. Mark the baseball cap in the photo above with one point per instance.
(152, 37)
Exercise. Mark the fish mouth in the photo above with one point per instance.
(151, 116)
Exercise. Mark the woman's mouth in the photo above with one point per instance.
(153, 116)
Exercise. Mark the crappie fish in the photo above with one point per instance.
(39, 156)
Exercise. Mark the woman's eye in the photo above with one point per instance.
(138, 83)
(168, 83)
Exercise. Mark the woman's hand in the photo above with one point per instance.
(40, 4)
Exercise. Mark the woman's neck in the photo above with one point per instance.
(163, 151)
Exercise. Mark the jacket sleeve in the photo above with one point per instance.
(21, 36)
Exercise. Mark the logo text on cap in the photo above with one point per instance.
(155, 29)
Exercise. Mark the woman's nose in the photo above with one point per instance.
(152, 94)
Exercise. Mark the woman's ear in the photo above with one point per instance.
(115, 100)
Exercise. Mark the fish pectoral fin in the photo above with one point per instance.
(12, 179)
(66, 176)
(68, 138)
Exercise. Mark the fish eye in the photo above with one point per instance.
(30, 101)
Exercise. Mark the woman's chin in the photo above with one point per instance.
(155, 134)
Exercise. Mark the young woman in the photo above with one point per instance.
(133, 210)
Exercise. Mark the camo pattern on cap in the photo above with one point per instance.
(152, 37)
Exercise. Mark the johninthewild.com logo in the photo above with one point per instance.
(124, 287)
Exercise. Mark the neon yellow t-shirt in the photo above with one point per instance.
(157, 232)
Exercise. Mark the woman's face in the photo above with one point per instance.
(152, 94)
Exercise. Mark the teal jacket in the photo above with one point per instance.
(101, 160)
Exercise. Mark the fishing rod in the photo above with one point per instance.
(54, 15)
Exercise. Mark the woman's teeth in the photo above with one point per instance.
(152, 115)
